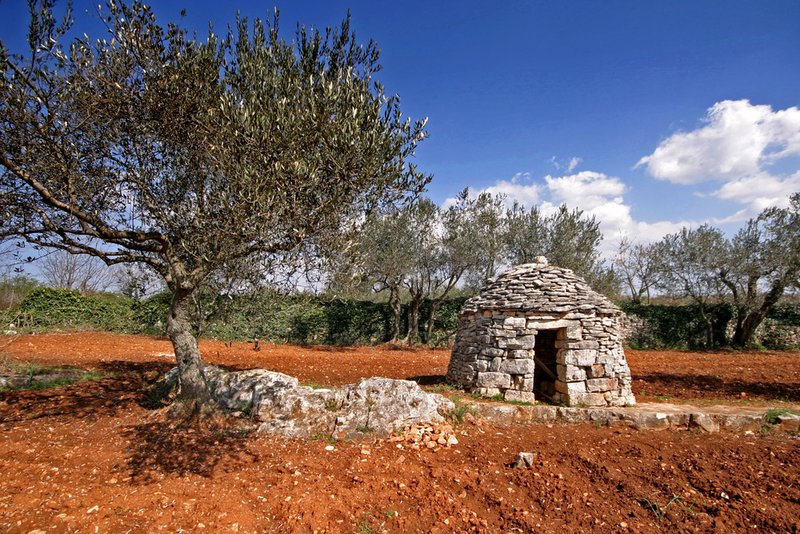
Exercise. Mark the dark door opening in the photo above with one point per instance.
(544, 373)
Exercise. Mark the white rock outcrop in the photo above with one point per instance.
(378, 406)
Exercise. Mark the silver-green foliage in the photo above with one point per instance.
(185, 154)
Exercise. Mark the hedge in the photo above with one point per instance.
(303, 319)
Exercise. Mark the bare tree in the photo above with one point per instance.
(155, 147)
(80, 272)
(639, 266)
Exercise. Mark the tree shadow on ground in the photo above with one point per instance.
(160, 448)
(714, 386)
(127, 383)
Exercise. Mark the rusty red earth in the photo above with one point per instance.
(94, 455)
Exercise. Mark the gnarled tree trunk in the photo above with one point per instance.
(394, 306)
(413, 318)
(194, 397)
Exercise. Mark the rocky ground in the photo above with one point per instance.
(94, 457)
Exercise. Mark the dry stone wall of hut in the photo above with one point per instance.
(539, 332)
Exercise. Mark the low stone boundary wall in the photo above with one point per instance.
(642, 416)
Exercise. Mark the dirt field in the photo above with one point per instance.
(91, 458)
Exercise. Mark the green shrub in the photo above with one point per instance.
(65, 309)
(676, 326)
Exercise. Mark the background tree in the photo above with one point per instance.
(486, 224)
(762, 261)
(639, 266)
(380, 257)
(456, 255)
(157, 148)
(691, 261)
(423, 235)
(80, 272)
(567, 238)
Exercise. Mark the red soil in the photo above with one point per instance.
(91, 457)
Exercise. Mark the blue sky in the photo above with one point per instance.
(649, 115)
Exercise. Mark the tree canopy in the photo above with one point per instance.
(152, 146)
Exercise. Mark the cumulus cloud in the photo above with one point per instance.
(596, 193)
(737, 145)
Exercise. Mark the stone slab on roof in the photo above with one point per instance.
(543, 288)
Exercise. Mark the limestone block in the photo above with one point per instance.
(492, 352)
(588, 399)
(570, 373)
(502, 332)
(482, 366)
(495, 365)
(520, 353)
(514, 322)
(703, 421)
(596, 385)
(581, 357)
(519, 396)
(570, 388)
(493, 380)
(524, 459)
(574, 333)
(522, 382)
(551, 325)
(596, 371)
(486, 392)
(513, 344)
(526, 342)
(577, 316)
(578, 345)
(517, 366)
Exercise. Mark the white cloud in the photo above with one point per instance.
(737, 146)
(760, 190)
(587, 188)
(526, 194)
(597, 194)
(570, 165)
(737, 140)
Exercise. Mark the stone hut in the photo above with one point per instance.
(539, 332)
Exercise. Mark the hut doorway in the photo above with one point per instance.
(546, 362)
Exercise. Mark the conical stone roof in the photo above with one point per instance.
(541, 287)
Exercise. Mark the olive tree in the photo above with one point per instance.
(762, 260)
(486, 224)
(690, 263)
(155, 147)
(567, 238)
